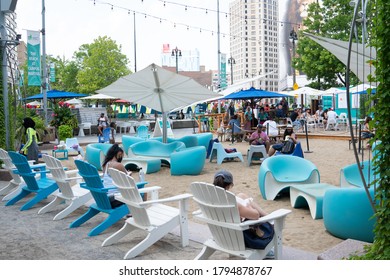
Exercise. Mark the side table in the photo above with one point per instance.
(63, 152)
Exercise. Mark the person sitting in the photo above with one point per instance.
(112, 132)
(262, 116)
(332, 119)
(247, 208)
(102, 123)
(367, 132)
(259, 137)
(287, 135)
(280, 112)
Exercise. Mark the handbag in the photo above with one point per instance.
(288, 147)
(259, 236)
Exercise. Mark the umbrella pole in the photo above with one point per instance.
(307, 140)
(164, 127)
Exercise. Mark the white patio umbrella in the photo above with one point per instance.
(34, 103)
(74, 101)
(99, 96)
(158, 89)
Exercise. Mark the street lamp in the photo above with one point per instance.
(294, 37)
(231, 61)
(176, 52)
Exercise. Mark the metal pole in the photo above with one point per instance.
(177, 61)
(5, 80)
(44, 74)
(307, 140)
(135, 47)
(219, 56)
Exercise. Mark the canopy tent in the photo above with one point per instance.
(74, 101)
(100, 97)
(34, 103)
(361, 56)
(158, 89)
(56, 94)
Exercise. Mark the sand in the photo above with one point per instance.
(301, 231)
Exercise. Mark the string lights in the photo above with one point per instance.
(206, 10)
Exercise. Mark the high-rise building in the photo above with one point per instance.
(254, 42)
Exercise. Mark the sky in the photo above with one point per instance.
(71, 23)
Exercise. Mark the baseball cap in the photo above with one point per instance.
(226, 175)
(289, 126)
(259, 125)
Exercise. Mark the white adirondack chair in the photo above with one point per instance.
(71, 194)
(151, 216)
(218, 208)
(13, 186)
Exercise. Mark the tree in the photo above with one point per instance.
(100, 64)
(66, 75)
(332, 20)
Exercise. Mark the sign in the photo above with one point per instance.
(223, 81)
(33, 58)
(295, 86)
(52, 72)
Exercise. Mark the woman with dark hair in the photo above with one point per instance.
(288, 135)
(114, 159)
(30, 149)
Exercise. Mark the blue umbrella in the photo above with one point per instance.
(56, 94)
(254, 93)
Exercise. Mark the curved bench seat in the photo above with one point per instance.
(95, 154)
(155, 149)
(150, 165)
(188, 140)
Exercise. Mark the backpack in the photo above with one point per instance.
(288, 147)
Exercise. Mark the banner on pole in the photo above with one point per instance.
(33, 58)
(52, 72)
(223, 71)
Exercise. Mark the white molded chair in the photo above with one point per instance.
(13, 186)
(150, 216)
(272, 129)
(219, 152)
(311, 124)
(73, 142)
(254, 151)
(218, 208)
(70, 194)
(331, 124)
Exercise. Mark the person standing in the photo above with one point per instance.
(30, 149)
(102, 123)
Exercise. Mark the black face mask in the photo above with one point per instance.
(119, 159)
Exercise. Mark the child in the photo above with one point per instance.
(112, 132)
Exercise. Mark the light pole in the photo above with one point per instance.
(176, 52)
(294, 37)
(231, 61)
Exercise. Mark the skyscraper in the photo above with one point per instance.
(254, 41)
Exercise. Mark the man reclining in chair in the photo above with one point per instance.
(260, 137)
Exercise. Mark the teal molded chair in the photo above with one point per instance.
(128, 140)
(189, 161)
(277, 173)
(218, 151)
(347, 213)
(42, 187)
(204, 139)
(350, 175)
(94, 184)
(95, 153)
(142, 132)
(188, 140)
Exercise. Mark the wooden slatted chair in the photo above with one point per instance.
(13, 186)
(151, 216)
(218, 208)
(73, 195)
(42, 187)
(94, 184)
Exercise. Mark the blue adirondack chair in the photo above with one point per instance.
(105, 138)
(42, 187)
(95, 185)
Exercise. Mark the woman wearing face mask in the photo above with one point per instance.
(113, 160)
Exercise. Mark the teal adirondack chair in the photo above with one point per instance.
(94, 183)
(42, 187)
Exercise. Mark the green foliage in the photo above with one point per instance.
(380, 249)
(65, 131)
(62, 115)
(101, 63)
(332, 20)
